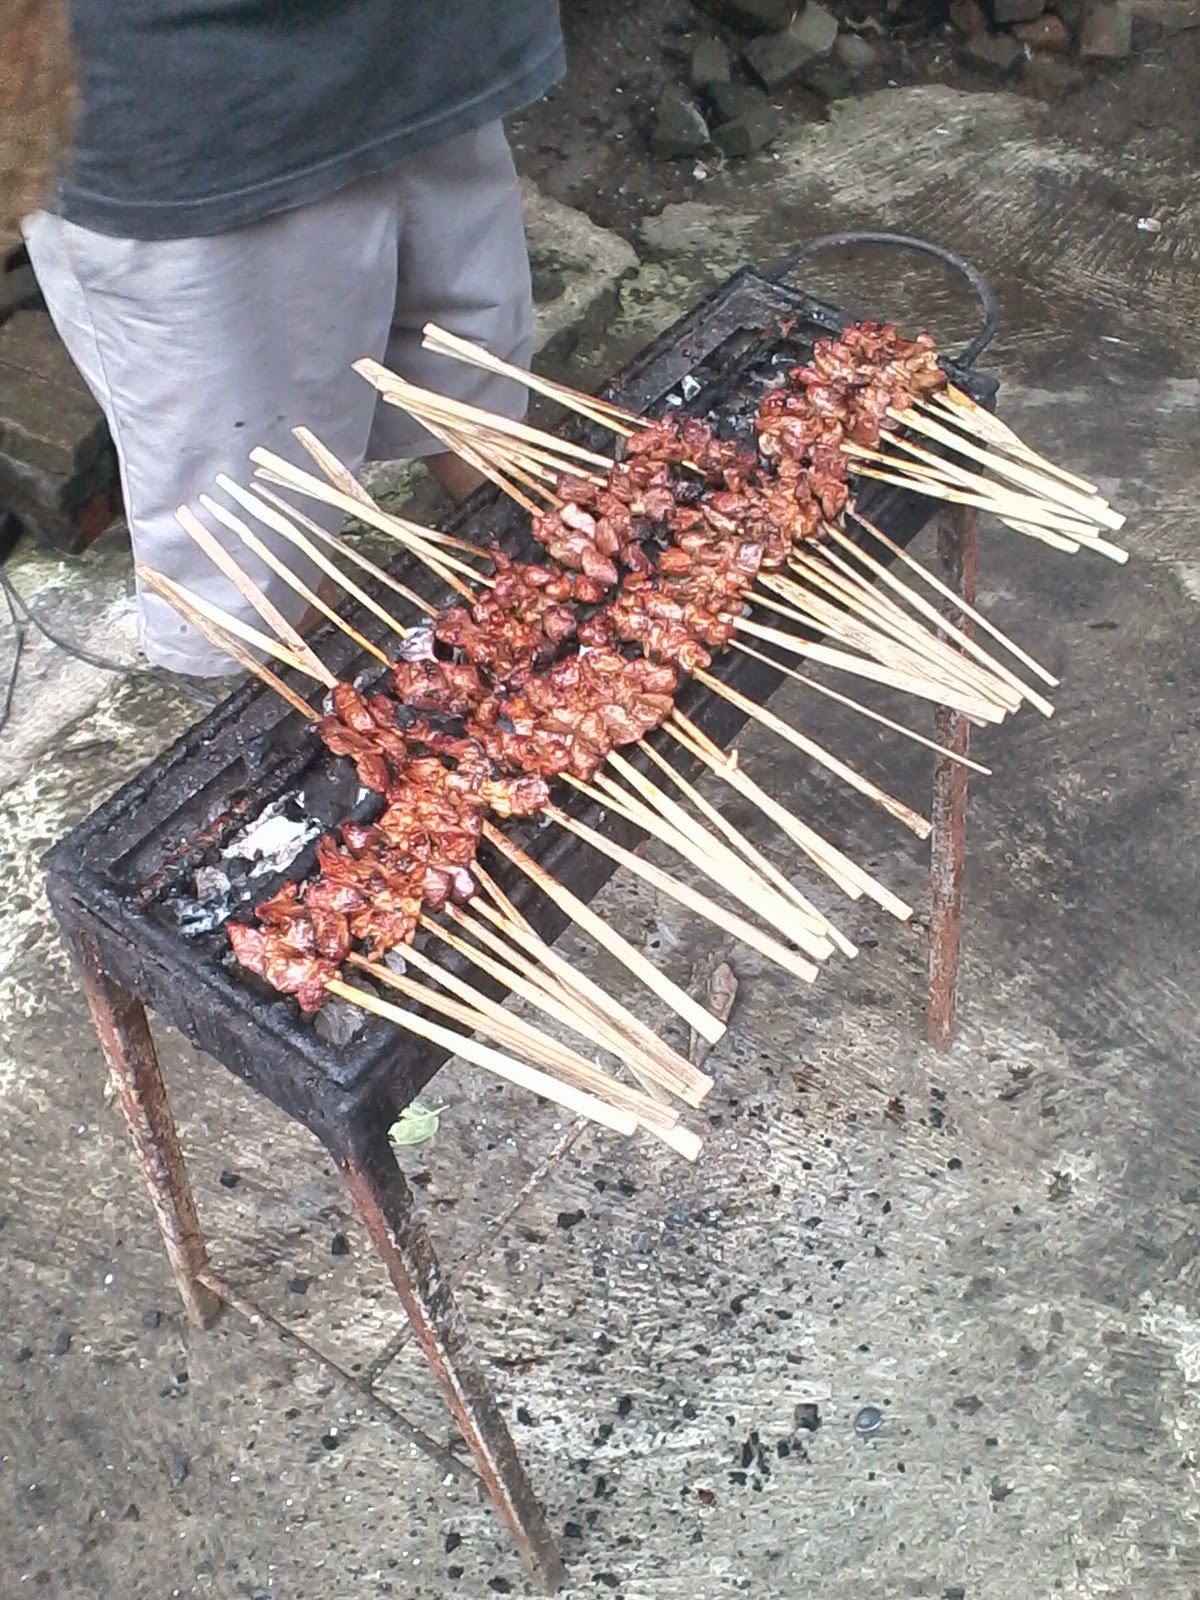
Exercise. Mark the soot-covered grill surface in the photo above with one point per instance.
(232, 811)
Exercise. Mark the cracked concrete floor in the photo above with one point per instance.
(1007, 1271)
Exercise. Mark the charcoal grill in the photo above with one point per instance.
(123, 886)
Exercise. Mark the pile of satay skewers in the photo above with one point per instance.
(542, 674)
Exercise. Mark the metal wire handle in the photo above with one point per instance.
(980, 287)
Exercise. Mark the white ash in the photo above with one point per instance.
(272, 841)
(419, 644)
(195, 919)
(211, 884)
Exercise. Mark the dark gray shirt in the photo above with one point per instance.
(201, 115)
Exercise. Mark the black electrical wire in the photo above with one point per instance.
(24, 617)
(980, 287)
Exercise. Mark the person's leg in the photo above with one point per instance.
(464, 264)
(199, 349)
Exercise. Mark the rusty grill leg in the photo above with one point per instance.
(384, 1202)
(958, 552)
(120, 1020)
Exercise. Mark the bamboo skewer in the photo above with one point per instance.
(342, 478)
(959, 497)
(896, 808)
(980, 711)
(814, 611)
(702, 1021)
(601, 412)
(690, 898)
(280, 524)
(482, 1055)
(362, 562)
(607, 1011)
(832, 573)
(544, 965)
(410, 397)
(1090, 507)
(948, 405)
(221, 626)
(541, 992)
(924, 651)
(693, 845)
(894, 669)
(179, 598)
(265, 554)
(727, 860)
(839, 869)
(483, 1015)
(924, 463)
(820, 923)
(1020, 511)
(555, 1003)
(855, 705)
(281, 472)
(246, 587)
(853, 880)
(923, 607)
(844, 583)
(947, 593)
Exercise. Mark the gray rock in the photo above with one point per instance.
(755, 125)
(727, 101)
(1046, 32)
(1107, 30)
(679, 127)
(968, 17)
(776, 59)
(1006, 11)
(710, 63)
(996, 53)
(760, 16)
(827, 78)
(338, 1022)
(19, 291)
(1071, 12)
(856, 53)
(1051, 79)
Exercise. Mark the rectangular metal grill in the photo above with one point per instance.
(123, 886)
(125, 875)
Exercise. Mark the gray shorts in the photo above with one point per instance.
(199, 349)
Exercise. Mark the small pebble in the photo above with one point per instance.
(62, 1343)
(339, 1245)
(229, 1180)
(180, 1468)
(868, 1421)
(152, 1319)
(25, 1353)
(299, 1284)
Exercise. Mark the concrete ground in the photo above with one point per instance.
(1004, 1265)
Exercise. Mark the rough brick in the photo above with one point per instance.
(57, 466)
